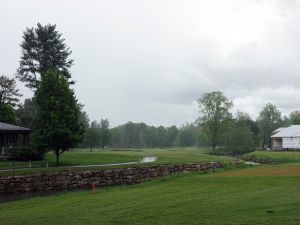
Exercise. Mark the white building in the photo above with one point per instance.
(286, 138)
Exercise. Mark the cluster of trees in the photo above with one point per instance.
(238, 134)
(54, 113)
(98, 134)
(140, 135)
(216, 127)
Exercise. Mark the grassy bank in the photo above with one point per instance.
(272, 157)
(181, 199)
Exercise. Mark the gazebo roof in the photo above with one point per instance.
(10, 128)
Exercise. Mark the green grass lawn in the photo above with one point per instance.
(99, 156)
(72, 158)
(273, 157)
(173, 155)
(181, 199)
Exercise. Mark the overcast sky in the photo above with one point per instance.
(148, 61)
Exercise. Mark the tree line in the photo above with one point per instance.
(216, 127)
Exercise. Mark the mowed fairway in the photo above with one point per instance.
(84, 158)
(181, 199)
(164, 156)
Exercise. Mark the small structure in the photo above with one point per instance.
(11, 135)
(286, 138)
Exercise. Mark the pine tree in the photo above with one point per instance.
(43, 48)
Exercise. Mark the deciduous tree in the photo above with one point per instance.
(104, 133)
(269, 119)
(214, 111)
(57, 125)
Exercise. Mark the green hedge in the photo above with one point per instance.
(25, 153)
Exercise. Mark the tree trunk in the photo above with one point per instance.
(91, 149)
(213, 143)
(57, 157)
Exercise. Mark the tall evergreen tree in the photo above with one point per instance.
(9, 98)
(43, 48)
(57, 124)
(9, 94)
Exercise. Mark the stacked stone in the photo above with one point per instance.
(65, 180)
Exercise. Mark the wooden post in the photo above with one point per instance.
(94, 186)
(14, 165)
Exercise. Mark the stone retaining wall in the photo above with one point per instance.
(83, 179)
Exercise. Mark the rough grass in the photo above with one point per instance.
(283, 170)
(273, 157)
(182, 199)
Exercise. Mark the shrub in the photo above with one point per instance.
(25, 153)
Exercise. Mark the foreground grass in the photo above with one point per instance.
(273, 157)
(181, 199)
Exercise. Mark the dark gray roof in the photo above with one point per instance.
(5, 127)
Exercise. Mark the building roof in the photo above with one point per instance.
(292, 131)
(278, 130)
(5, 127)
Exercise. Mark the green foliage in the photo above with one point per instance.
(268, 120)
(105, 133)
(43, 48)
(26, 112)
(83, 117)
(9, 94)
(240, 139)
(187, 136)
(57, 125)
(295, 117)
(140, 135)
(25, 153)
(214, 109)
(9, 98)
(7, 114)
(92, 138)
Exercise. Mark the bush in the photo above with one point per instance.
(25, 153)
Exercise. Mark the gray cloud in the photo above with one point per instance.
(150, 60)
